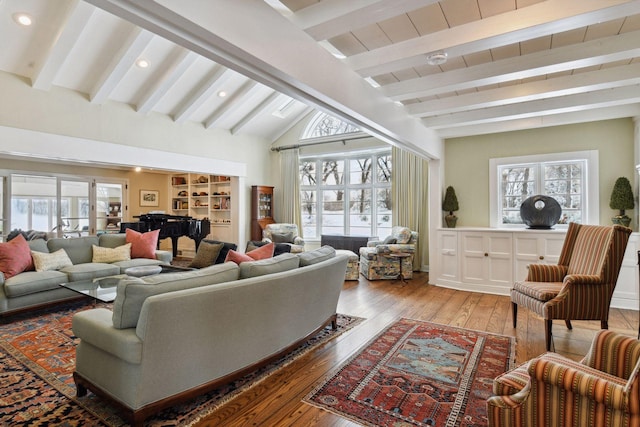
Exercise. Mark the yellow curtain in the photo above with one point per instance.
(290, 187)
(410, 191)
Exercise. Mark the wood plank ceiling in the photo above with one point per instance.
(510, 64)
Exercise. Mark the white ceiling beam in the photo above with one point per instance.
(541, 19)
(330, 18)
(133, 47)
(622, 111)
(587, 54)
(62, 44)
(292, 122)
(255, 112)
(205, 90)
(283, 58)
(542, 107)
(566, 85)
(179, 63)
(230, 104)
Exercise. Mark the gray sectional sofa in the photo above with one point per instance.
(174, 336)
(31, 289)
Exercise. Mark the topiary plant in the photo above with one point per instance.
(622, 199)
(450, 204)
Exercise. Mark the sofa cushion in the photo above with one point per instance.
(263, 252)
(282, 262)
(53, 261)
(31, 282)
(137, 262)
(38, 245)
(132, 292)
(15, 257)
(78, 248)
(224, 251)
(206, 255)
(317, 255)
(89, 271)
(390, 240)
(143, 245)
(107, 255)
(112, 240)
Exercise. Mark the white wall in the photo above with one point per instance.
(152, 140)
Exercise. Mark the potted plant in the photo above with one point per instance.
(450, 204)
(622, 199)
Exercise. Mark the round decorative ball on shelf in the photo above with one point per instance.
(540, 211)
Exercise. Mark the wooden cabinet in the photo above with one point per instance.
(261, 209)
(486, 259)
(535, 248)
(490, 260)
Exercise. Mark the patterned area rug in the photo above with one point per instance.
(418, 374)
(37, 358)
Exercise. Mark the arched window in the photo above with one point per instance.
(324, 125)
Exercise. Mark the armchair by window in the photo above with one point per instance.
(284, 233)
(375, 262)
(551, 390)
(581, 285)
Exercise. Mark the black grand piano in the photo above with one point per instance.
(171, 226)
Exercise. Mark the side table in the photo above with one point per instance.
(399, 256)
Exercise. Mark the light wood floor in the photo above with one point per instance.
(277, 401)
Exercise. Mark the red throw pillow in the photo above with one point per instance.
(263, 252)
(143, 245)
(15, 257)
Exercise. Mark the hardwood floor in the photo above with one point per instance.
(277, 401)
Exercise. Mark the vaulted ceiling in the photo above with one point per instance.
(510, 64)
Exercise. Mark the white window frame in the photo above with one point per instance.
(591, 211)
(346, 187)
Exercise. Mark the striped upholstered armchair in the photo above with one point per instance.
(581, 285)
(551, 390)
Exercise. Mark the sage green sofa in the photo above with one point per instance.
(155, 350)
(32, 289)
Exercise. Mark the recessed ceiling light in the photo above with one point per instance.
(23, 19)
(437, 58)
(142, 63)
(222, 94)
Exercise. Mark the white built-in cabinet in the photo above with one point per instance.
(490, 260)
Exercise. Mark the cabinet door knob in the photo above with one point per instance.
(541, 257)
(486, 254)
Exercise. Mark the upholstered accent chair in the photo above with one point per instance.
(284, 233)
(580, 286)
(375, 262)
(551, 390)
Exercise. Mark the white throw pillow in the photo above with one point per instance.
(53, 261)
(108, 255)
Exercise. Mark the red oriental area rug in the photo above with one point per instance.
(37, 359)
(420, 374)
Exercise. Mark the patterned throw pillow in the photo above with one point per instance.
(403, 235)
(390, 240)
(52, 261)
(143, 245)
(15, 257)
(206, 255)
(109, 255)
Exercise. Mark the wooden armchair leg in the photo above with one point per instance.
(547, 333)
(514, 311)
(568, 322)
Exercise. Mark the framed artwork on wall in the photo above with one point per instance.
(149, 197)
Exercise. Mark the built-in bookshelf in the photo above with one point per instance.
(202, 196)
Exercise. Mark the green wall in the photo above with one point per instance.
(467, 161)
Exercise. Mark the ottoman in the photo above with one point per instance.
(353, 266)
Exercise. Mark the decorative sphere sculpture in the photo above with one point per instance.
(540, 212)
